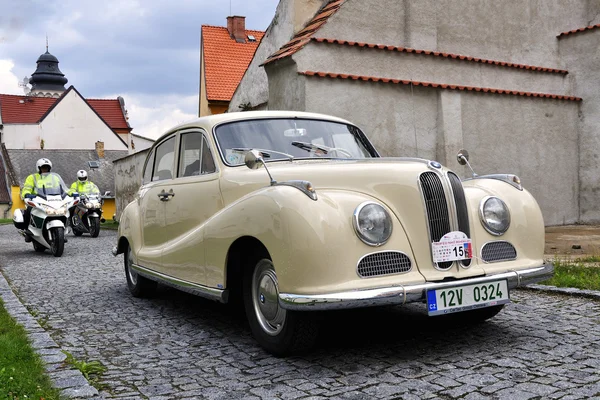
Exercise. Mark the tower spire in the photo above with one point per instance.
(46, 42)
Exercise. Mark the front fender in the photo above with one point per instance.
(312, 243)
(129, 230)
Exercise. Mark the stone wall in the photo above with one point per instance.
(128, 179)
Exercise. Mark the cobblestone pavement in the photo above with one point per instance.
(179, 346)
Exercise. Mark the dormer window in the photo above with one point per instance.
(251, 38)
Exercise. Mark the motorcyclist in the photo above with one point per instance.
(82, 186)
(36, 183)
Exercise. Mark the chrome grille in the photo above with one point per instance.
(498, 251)
(461, 208)
(437, 208)
(383, 263)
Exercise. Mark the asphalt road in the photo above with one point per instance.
(179, 346)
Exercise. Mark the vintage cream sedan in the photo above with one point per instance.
(293, 212)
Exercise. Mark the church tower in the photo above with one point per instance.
(47, 80)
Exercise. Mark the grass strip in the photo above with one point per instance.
(22, 374)
(575, 274)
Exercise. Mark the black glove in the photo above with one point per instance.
(30, 196)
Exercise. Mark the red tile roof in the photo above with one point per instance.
(225, 60)
(22, 109)
(587, 28)
(304, 36)
(435, 85)
(16, 109)
(110, 111)
(440, 54)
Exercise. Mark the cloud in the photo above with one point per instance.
(150, 116)
(9, 83)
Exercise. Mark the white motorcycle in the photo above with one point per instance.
(48, 218)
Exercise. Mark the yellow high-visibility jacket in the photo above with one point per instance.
(36, 182)
(86, 187)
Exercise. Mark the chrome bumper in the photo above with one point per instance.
(397, 295)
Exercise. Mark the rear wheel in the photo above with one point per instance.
(137, 284)
(38, 247)
(58, 241)
(279, 331)
(94, 226)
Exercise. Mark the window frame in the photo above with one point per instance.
(204, 139)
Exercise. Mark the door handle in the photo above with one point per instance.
(164, 196)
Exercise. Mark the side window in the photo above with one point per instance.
(189, 154)
(148, 171)
(208, 162)
(163, 164)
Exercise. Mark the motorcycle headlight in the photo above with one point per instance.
(494, 215)
(56, 211)
(372, 223)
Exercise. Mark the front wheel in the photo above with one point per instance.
(94, 226)
(137, 284)
(58, 241)
(279, 331)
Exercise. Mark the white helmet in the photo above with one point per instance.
(82, 175)
(41, 162)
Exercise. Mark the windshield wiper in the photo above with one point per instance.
(265, 153)
(319, 147)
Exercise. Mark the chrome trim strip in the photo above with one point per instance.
(500, 177)
(398, 295)
(219, 295)
(496, 261)
(380, 252)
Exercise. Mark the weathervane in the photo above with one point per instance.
(46, 42)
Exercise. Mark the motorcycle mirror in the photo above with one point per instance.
(107, 193)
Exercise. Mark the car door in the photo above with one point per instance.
(158, 177)
(197, 197)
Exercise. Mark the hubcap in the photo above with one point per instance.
(132, 274)
(265, 295)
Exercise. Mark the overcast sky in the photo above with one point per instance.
(146, 51)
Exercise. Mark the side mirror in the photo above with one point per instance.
(253, 159)
(107, 193)
(462, 157)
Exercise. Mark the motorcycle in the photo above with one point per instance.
(88, 215)
(47, 218)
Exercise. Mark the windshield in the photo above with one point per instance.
(50, 184)
(286, 138)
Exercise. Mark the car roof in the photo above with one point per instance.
(211, 120)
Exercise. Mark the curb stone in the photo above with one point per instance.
(592, 294)
(71, 382)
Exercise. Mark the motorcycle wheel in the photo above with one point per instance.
(38, 247)
(94, 226)
(58, 241)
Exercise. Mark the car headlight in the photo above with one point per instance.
(372, 223)
(494, 215)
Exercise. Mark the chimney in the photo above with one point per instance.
(100, 149)
(236, 26)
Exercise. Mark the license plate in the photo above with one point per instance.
(452, 246)
(468, 297)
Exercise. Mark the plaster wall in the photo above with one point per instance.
(581, 52)
(286, 87)
(141, 143)
(346, 59)
(72, 124)
(290, 16)
(128, 178)
(203, 108)
(536, 139)
(402, 122)
(520, 31)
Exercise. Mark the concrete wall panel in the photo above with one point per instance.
(535, 139)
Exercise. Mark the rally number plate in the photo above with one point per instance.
(468, 297)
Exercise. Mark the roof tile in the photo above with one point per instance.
(438, 54)
(225, 60)
(29, 110)
(303, 36)
(442, 85)
(586, 28)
